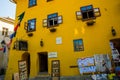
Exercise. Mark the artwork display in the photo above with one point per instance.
(99, 77)
(86, 65)
(115, 55)
(82, 62)
(89, 69)
(98, 63)
(102, 62)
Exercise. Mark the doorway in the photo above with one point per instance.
(26, 57)
(116, 44)
(43, 62)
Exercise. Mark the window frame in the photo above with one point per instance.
(87, 12)
(5, 31)
(32, 3)
(28, 27)
(77, 46)
(54, 18)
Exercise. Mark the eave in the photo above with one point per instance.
(13, 1)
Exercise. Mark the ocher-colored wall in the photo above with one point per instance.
(95, 38)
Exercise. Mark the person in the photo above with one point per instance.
(106, 68)
(112, 74)
(117, 71)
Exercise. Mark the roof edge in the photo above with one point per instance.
(7, 19)
(13, 1)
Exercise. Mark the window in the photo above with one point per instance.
(21, 45)
(87, 12)
(52, 19)
(5, 32)
(32, 3)
(78, 45)
(31, 25)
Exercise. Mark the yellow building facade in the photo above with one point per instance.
(48, 39)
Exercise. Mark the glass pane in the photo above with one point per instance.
(83, 9)
(91, 14)
(52, 15)
(78, 45)
(51, 22)
(31, 25)
(32, 2)
(89, 7)
(85, 15)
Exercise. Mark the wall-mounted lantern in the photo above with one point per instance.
(41, 43)
(113, 31)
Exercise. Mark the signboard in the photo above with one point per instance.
(22, 70)
(52, 54)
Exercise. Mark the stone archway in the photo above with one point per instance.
(26, 56)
